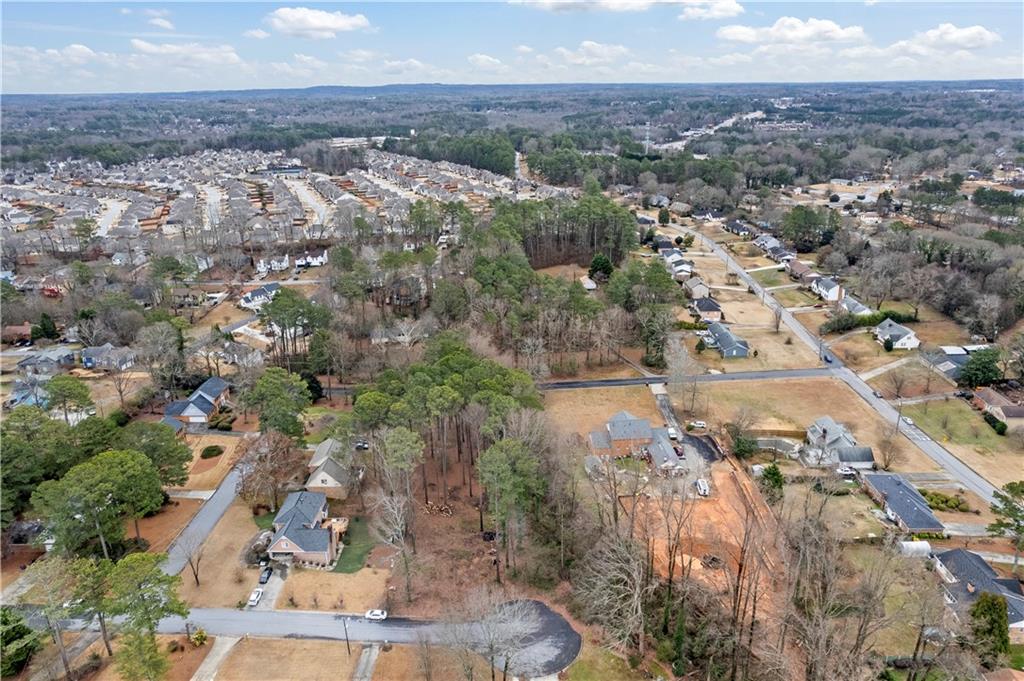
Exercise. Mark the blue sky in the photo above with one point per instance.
(127, 47)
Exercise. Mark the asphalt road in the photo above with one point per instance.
(202, 523)
(549, 650)
(964, 474)
(702, 378)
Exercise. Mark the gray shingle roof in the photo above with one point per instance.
(331, 468)
(969, 568)
(625, 426)
(211, 388)
(905, 501)
(302, 505)
(306, 538)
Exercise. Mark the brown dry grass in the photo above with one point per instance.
(403, 663)
(355, 592)
(588, 409)
(570, 273)
(221, 564)
(862, 353)
(223, 314)
(207, 474)
(273, 659)
(161, 529)
(919, 380)
(848, 515)
(796, 403)
(772, 352)
(744, 308)
(184, 663)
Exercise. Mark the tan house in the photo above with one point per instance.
(332, 479)
(303, 532)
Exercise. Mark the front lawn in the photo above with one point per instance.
(769, 278)
(358, 544)
(265, 521)
(953, 420)
(598, 664)
(1017, 657)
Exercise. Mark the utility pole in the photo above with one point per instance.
(348, 646)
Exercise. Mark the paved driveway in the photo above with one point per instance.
(272, 589)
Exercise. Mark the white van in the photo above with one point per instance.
(703, 488)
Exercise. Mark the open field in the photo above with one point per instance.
(918, 380)
(961, 430)
(773, 277)
(744, 308)
(588, 409)
(771, 347)
(223, 314)
(274, 659)
(207, 473)
(161, 529)
(795, 297)
(570, 273)
(355, 592)
(796, 403)
(812, 321)
(849, 515)
(183, 664)
(406, 662)
(223, 582)
(860, 352)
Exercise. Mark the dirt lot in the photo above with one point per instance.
(403, 663)
(860, 352)
(102, 391)
(796, 403)
(207, 473)
(772, 352)
(223, 580)
(566, 272)
(356, 592)
(589, 409)
(184, 663)
(961, 430)
(223, 314)
(273, 659)
(918, 380)
(10, 567)
(848, 515)
(161, 529)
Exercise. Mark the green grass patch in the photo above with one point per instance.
(358, 544)
(794, 297)
(1017, 657)
(265, 521)
(598, 664)
(771, 277)
(954, 421)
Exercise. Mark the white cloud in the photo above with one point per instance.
(402, 66)
(609, 5)
(484, 61)
(160, 22)
(940, 41)
(790, 30)
(591, 53)
(310, 61)
(731, 59)
(360, 56)
(157, 12)
(524, 49)
(188, 54)
(316, 24)
(710, 9)
(256, 34)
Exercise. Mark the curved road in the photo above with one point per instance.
(963, 473)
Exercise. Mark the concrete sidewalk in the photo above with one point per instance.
(222, 645)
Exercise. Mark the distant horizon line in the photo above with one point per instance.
(508, 85)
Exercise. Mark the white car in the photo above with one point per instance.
(376, 615)
(699, 424)
(673, 434)
(845, 471)
(703, 488)
(254, 597)
(907, 420)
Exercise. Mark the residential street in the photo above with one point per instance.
(202, 523)
(964, 474)
(702, 378)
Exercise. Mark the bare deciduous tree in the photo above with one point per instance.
(390, 525)
(897, 380)
(889, 452)
(614, 586)
(776, 317)
(192, 545)
(266, 464)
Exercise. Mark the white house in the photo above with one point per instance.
(902, 338)
(828, 289)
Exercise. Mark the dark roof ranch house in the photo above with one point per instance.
(729, 345)
(902, 503)
(303, 532)
(967, 575)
